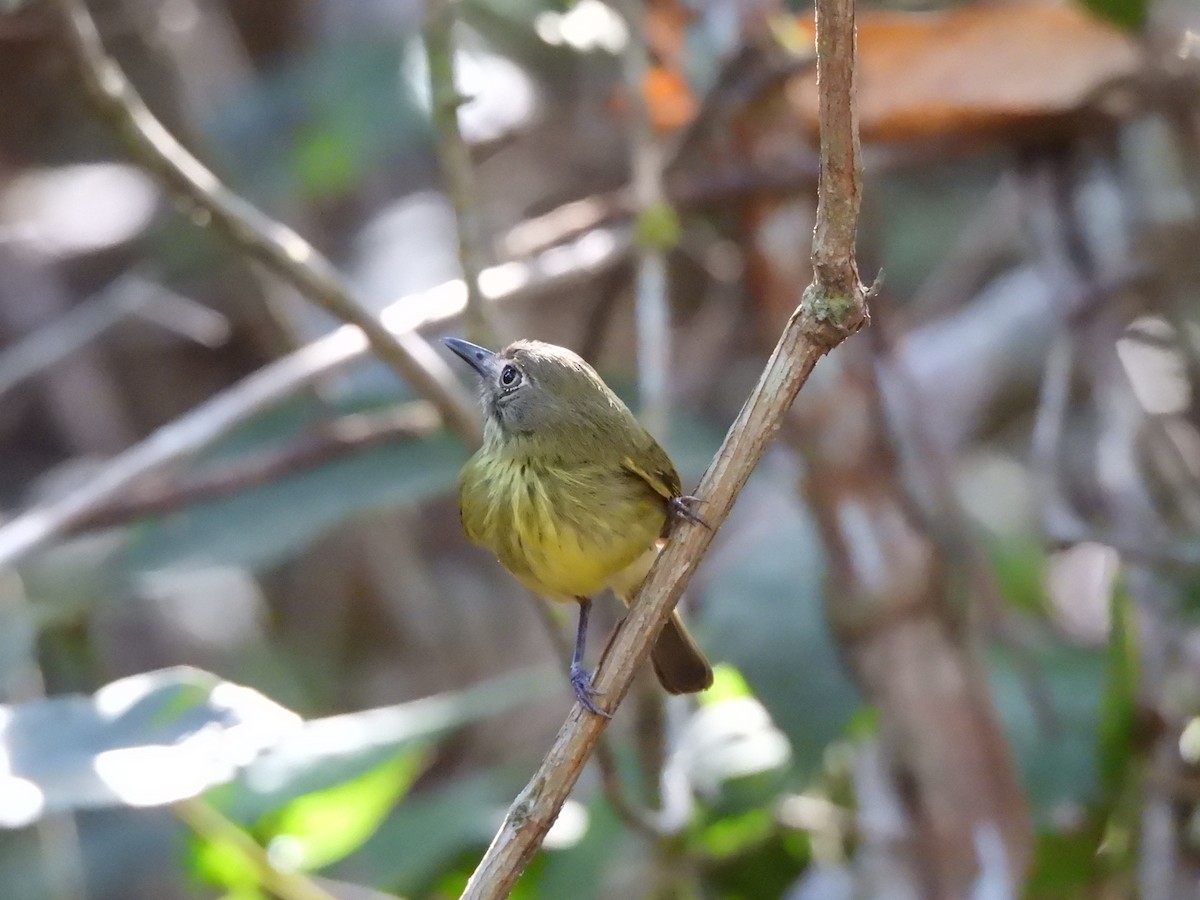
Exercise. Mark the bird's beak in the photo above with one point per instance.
(481, 360)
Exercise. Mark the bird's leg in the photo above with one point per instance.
(681, 508)
(581, 681)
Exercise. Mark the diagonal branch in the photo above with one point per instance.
(328, 441)
(274, 244)
(833, 307)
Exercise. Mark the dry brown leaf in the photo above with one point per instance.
(947, 74)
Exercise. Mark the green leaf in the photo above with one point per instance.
(658, 227)
(728, 684)
(751, 857)
(1064, 864)
(318, 829)
(438, 829)
(146, 740)
(324, 163)
(222, 863)
(728, 835)
(1020, 566)
(331, 751)
(1118, 706)
(1061, 764)
(265, 525)
(1127, 14)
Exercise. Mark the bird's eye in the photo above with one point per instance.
(509, 376)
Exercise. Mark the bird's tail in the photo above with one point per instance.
(678, 661)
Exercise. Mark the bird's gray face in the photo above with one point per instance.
(510, 393)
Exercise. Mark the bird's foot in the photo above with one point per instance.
(581, 684)
(681, 508)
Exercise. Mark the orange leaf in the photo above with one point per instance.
(975, 69)
(669, 99)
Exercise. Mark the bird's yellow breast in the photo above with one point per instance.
(563, 532)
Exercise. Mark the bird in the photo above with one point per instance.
(572, 495)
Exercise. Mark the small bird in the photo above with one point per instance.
(572, 494)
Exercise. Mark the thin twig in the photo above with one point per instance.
(715, 186)
(657, 230)
(180, 439)
(833, 307)
(839, 188)
(132, 295)
(329, 441)
(455, 157)
(274, 244)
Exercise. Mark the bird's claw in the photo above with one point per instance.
(581, 684)
(681, 508)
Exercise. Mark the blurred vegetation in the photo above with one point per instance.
(276, 667)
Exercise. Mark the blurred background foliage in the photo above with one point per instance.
(955, 610)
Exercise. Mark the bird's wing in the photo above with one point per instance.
(654, 467)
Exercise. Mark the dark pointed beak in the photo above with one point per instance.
(481, 360)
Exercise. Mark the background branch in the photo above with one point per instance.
(239, 403)
(455, 157)
(280, 248)
(833, 307)
(353, 433)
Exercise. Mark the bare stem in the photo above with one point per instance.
(455, 157)
(839, 190)
(657, 230)
(816, 327)
(353, 433)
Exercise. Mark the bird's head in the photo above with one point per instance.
(532, 388)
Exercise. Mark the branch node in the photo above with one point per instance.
(833, 317)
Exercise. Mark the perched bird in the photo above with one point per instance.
(572, 494)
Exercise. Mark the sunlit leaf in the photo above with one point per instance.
(331, 751)
(438, 829)
(320, 828)
(215, 861)
(728, 684)
(733, 754)
(145, 740)
(727, 835)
